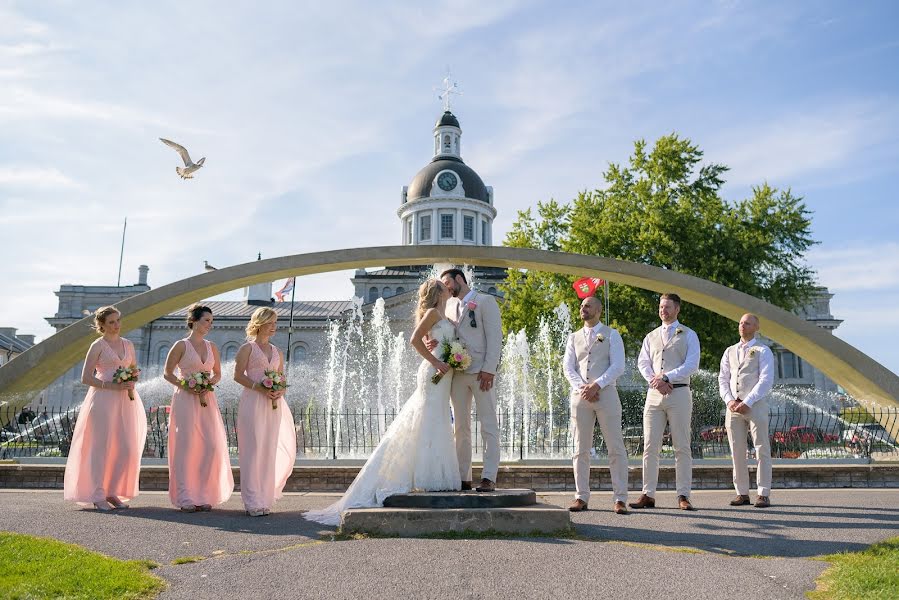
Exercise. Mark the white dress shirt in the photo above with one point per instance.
(616, 359)
(766, 373)
(463, 304)
(690, 365)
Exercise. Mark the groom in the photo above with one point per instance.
(477, 320)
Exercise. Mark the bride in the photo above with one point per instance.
(417, 452)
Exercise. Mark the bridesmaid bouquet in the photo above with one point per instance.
(201, 382)
(123, 374)
(274, 380)
(455, 355)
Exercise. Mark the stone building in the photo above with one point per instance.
(446, 202)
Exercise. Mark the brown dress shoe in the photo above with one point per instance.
(578, 505)
(762, 502)
(620, 508)
(684, 504)
(466, 486)
(486, 486)
(740, 500)
(644, 501)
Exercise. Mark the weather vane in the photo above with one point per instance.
(449, 87)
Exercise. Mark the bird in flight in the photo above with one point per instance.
(187, 171)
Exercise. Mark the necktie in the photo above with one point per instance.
(665, 336)
(459, 312)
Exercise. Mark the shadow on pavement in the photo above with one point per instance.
(288, 523)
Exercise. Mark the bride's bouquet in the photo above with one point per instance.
(274, 380)
(123, 374)
(455, 355)
(199, 382)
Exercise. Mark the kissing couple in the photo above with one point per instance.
(424, 449)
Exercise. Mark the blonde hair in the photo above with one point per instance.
(261, 316)
(428, 297)
(100, 317)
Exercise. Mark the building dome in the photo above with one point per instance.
(471, 182)
(448, 119)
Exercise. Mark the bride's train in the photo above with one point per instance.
(416, 453)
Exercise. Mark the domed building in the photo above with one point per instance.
(446, 202)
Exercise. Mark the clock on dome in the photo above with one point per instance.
(447, 181)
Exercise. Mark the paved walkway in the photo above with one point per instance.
(716, 552)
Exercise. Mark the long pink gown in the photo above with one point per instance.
(266, 437)
(199, 465)
(109, 437)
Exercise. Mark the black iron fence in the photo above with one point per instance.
(798, 432)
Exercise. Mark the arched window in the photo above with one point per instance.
(388, 292)
(229, 352)
(492, 291)
(162, 353)
(400, 290)
(298, 353)
(372, 294)
(447, 145)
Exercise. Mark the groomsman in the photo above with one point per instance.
(594, 359)
(745, 378)
(669, 356)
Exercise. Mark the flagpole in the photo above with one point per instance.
(293, 293)
(118, 282)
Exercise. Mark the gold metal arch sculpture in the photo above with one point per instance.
(858, 374)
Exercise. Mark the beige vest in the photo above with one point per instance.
(666, 357)
(744, 375)
(594, 360)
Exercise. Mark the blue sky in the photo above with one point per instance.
(312, 117)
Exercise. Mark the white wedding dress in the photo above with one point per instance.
(416, 453)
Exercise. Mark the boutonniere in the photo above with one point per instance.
(678, 331)
(471, 304)
(600, 337)
(753, 351)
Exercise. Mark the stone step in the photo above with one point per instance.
(468, 499)
(412, 522)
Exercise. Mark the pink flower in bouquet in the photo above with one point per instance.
(458, 357)
(268, 382)
(191, 383)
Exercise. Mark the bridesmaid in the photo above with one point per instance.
(266, 437)
(199, 465)
(103, 467)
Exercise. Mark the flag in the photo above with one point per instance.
(288, 287)
(586, 286)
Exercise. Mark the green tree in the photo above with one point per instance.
(666, 209)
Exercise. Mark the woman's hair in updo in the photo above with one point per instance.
(195, 312)
(100, 316)
(261, 316)
(428, 297)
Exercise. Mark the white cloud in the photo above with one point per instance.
(803, 142)
(858, 268)
(35, 177)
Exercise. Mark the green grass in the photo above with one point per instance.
(36, 567)
(872, 573)
(184, 560)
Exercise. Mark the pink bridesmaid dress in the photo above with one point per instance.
(109, 437)
(199, 465)
(266, 438)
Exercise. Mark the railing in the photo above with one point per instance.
(795, 432)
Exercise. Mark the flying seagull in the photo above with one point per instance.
(186, 172)
(208, 267)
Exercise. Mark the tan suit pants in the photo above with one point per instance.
(464, 387)
(738, 427)
(676, 410)
(585, 414)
